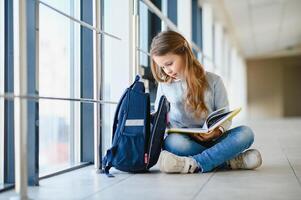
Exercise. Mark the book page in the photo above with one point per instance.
(214, 119)
(221, 110)
(222, 118)
(187, 130)
(214, 113)
(217, 112)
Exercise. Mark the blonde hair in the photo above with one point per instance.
(194, 73)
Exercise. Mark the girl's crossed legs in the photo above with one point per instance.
(209, 155)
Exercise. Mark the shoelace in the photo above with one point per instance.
(239, 161)
(195, 170)
(189, 168)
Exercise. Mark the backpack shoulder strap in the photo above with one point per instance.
(107, 163)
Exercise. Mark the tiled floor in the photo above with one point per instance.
(279, 177)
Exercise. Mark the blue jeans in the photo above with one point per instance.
(210, 155)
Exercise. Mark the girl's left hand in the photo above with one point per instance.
(208, 136)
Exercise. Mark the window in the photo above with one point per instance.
(150, 25)
(172, 10)
(1, 92)
(144, 36)
(116, 72)
(197, 25)
(59, 76)
(207, 36)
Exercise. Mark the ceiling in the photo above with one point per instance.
(266, 27)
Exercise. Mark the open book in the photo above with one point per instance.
(213, 120)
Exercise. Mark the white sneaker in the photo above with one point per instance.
(171, 163)
(250, 159)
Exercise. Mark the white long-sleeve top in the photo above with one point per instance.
(215, 97)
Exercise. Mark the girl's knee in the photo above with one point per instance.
(177, 143)
(244, 135)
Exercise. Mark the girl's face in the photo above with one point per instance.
(172, 64)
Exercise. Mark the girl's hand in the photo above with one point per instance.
(208, 136)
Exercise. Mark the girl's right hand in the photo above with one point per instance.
(208, 136)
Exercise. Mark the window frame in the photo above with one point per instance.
(87, 120)
(2, 39)
(172, 10)
(197, 26)
(9, 158)
(75, 82)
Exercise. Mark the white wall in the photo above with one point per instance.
(265, 84)
(226, 57)
(218, 47)
(274, 87)
(207, 21)
(237, 88)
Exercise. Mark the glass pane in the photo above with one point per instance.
(57, 74)
(144, 34)
(62, 5)
(1, 92)
(149, 26)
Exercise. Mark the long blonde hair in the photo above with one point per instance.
(194, 73)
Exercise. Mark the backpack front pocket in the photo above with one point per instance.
(130, 152)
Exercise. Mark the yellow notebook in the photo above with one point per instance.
(214, 120)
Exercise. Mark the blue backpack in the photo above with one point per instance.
(137, 135)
